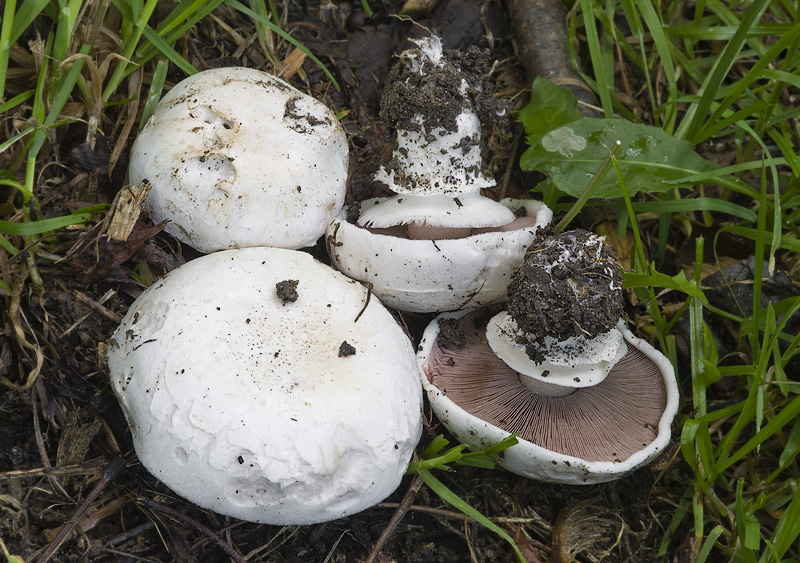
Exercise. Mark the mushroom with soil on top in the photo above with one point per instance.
(264, 385)
(237, 157)
(438, 244)
(588, 400)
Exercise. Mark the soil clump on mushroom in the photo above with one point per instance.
(409, 94)
(569, 285)
(286, 290)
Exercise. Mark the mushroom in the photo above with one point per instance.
(444, 272)
(237, 157)
(438, 244)
(589, 402)
(264, 385)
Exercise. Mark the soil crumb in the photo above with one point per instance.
(346, 349)
(287, 291)
(451, 335)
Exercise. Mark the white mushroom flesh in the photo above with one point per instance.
(438, 161)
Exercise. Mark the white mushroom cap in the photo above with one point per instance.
(592, 435)
(237, 157)
(283, 413)
(436, 275)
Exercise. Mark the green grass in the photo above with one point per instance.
(723, 69)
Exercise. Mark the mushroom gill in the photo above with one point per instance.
(426, 232)
(607, 422)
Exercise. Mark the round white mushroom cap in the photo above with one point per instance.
(264, 385)
(592, 435)
(442, 271)
(237, 158)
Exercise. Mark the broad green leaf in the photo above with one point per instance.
(651, 160)
(550, 107)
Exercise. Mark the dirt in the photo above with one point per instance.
(451, 335)
(287, 291)
(437, 93)
(569, 285)
(346, 349)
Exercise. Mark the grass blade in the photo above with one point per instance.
(449, 496)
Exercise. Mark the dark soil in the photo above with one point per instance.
(287, 291)
(436, 94)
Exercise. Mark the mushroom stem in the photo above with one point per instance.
(544, 389)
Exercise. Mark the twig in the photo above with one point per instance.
(541, 35)
(405, 504)
(172, 513)
(113, 471)
(431, 510)
(86, 468)
(97, 306)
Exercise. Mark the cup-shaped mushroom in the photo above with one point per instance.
(586, 435)
(416, 266)
(237, 157)
(264, 385)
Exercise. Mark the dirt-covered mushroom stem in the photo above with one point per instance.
(568, 285)
(437, 101)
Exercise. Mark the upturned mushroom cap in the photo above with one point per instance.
(594, 434)
(439, 272)
(252, 390)
(237, 158)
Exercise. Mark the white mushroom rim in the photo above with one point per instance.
(470, 210)
(623, 422)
